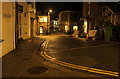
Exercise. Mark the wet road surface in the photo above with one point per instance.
(95, 54)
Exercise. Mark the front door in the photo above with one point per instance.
(32, 29)
(41, 29)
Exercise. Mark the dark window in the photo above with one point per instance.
(25, 14)
(29, 2)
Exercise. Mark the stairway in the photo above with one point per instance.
(109, 17)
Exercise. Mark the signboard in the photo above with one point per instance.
(42, 18)
(20, 9)
(92, 33)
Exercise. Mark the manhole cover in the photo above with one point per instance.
(26, 58)
(37, 70)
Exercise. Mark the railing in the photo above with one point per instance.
(109, 16)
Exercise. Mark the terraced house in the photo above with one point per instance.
(18, 22)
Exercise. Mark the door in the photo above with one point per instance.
(19, 26)
(32, 28)
(41, 29)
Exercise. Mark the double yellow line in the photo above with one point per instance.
(94, 70)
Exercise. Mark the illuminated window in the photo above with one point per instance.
(54, 22)
(45, 19)
(66, 28)
(42, 18)
(41, 29)
(75, 28)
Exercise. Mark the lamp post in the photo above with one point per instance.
(48, 20)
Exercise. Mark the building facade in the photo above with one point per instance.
(68, 19)
(43, 24)
(18, 22)
(98, 14)
(26, 20)
(54, 27)
(7, 27)
(91, 11)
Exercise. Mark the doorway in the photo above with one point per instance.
(41, 29)
(32, 29)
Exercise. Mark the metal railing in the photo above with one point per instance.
(109, 16)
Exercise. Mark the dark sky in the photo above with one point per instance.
(59, 6)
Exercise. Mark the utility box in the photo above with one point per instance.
(108, 33)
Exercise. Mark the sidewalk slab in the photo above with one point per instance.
(15, 61)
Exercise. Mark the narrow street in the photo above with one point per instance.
(92, 53)
(66, 39)
(27, 60)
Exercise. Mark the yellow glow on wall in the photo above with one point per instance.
(42, 18)
(66, 28)
(41, 29)
(75, 28)
(85, 26)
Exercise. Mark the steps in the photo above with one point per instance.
(108, 17)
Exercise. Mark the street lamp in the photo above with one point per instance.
(48, 20)
(50, 10)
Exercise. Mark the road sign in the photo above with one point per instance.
(92, 33)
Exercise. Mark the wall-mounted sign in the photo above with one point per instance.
(43, 19)
(20, 8)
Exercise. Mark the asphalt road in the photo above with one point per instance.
(92, 53)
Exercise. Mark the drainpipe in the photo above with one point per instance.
(88, 17)
(16, 24)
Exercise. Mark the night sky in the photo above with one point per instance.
(58, 7)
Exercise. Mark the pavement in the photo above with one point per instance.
(26, 60)
(16, 62)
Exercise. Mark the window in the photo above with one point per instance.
(28, 2)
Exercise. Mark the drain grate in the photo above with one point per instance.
(37, 70)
